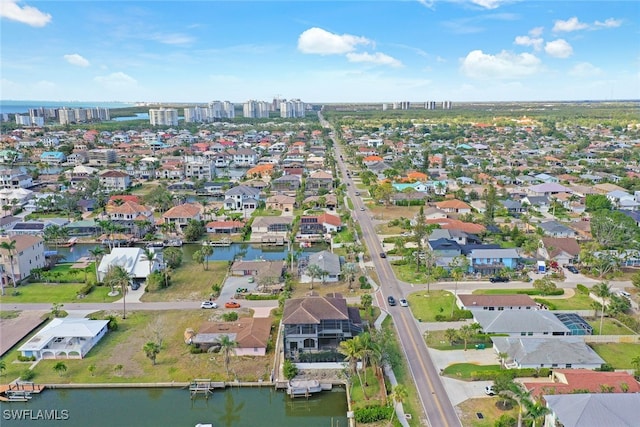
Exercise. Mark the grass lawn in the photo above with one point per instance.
(618, 355)
(191, 282)
(437, 340)
(577, 302)
(412, 404)
(372, 389)
(487, 407)
(266, 212)
(426, 306)
(55, 292)
(408, 273)
(529, 291)
(118, 357)
(463, 371)
(610, 327)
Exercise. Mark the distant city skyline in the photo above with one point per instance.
(319, 51)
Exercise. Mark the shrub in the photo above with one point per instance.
(195, 350)
(289, 369)
(371, 414)
(22, 358)
(546, 303)
(230, 316)
(605, 368)
(582, 289)
(506, 420)
(254, 297)
(86, 289)
(27, 375)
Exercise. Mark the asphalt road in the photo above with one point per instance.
(133, 306)
(435, 401)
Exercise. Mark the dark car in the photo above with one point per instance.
(383, 255)
(391, 300)
(572, 269)
(499, 279)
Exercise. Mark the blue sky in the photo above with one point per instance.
(320, 51)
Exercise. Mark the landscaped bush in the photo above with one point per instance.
(231, 316)
(546, 303)
(371, 414)
(195, 350)
(27, 375)
(86, 289)
(325, 356)
(582, 289)
(628, 321)
(254, 297)
(289, 369)
(457, 315)
(559, 291)
(22, 358)
(517, 373)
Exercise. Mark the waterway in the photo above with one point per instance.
(220, 253)
(157, 407)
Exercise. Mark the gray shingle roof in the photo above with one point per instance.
(547, 351)
(515, 321)
(595, 410)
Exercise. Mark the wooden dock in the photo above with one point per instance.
(19, 392)
(204, 387)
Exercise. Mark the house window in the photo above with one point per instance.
(568, 366)
(522, 334)
(500, 308)
(529, 333)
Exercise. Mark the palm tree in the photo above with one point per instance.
(60, 368)
(351, 350)
(148, 254)
(227, 345)
(97, 253)
(3, 367)
(10, 247)
(465, 333)
(366, 352)
(535, 411)
(349, 270)
(398, 395)
(207, 251)
(115, 277)
(635, 362)
(603, 291)
(451, 335)
(151, 349)
(315, 272)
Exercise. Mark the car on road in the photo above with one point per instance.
(208, 304)
(391, 300)
(357, 193)
(231, 304)
(404, 303)
(572, 269)
(362, 209)
(499, 279)
(383, 255)
(488, 390)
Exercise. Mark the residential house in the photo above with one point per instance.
(566, 381)
(529, 323)
(287, 184)
(547, 189)
(14, 178)
(132, 260)
(224, 227)
(556, 229)
(280, 202)
(513, 206)
(258, 269)
(492, 261)
(320, 224)
(319, 180)
(496, 302)
(592, 410)
(547, 352)
(199, 167)
(245, 158)
(28, 254)
(53, 157)
(241, 198)
(112, 180)
(133, 217)
(316, 323)
(179, 216)
(65, 338)
(251, 335)
(563, 250)
(454, 206)
(271, 224)
(328, 262)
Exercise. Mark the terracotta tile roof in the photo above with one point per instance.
(452, 204)
(568, 380)
(455, 224)
(329, 219)
(127, 208)
(251, 332)
(225, 224)
(372, 159)
(187, 210)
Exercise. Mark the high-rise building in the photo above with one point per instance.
(430, 105)
(446, 105)
(163, 116)
(256, 109)
(292, 108)
(66, 116)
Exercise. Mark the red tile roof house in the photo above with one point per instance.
(180, 215)
(454, 206)
(250, 333)
(566, 381)
(320, 224)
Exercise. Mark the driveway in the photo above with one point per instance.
(231, 284)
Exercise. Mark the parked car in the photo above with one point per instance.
(241, 290)
(383, 255)
(231, 304)
(391, 300)
(135, 285)
(208, 304)
(489, 390)
(572, 269)
(404, 303)
(499, 279)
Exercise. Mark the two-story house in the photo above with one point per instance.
(27, 255)
(133, 217)
(112, 180)
(245, 158)
(492, 261)
(242, 197)
(318, 323)
(286, 184)
(179, 216)
(319, 180)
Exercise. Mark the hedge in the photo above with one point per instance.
(457, 315)
(371, 414)
(86, 289)
(582, 289)
(516, 373)
(254, 297)
(546, 303)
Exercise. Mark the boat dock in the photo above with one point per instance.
(221, 242)
(19, 392)
(204, 387)
(305, 388)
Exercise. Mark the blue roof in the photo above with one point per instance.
(56, 154)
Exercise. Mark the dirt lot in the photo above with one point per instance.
(380, 212)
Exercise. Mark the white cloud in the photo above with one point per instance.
(118, 79)
(536, 31)
(608, 23)
(27, 14)
(75, 59)
(318, 41)
(559, 48)
(375, 58)
(488, 4)
(585, 69)
(505, 65)
(529, 41)
(571, 24)
(172, 39)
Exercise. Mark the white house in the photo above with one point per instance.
(328, 262)
(132, 260)
(67, 338)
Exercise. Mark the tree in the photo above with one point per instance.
(227, 346)
(465, 333)
(420, 231)
(207, 251)
(60, 368)
(597, 202)
(398, 395)
(10, 247)
(351, 350)
(613, 229)
(349, 270)
(366, 301)
(194, 230)
(491, 203)
(635, 362)
(635, 280)
(458, 267)
(172, 257)
(151, 350)
(451, 335)
(315, 272)
(97, 253)
(116, 275)
(535, 411)
(544, 285)
(198, 257)
(3, 367)
(56, 308)
(92, 369)
(603, 291)
(148, 254)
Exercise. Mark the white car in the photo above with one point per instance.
(489, 390)
(404, 303)
(208, 304)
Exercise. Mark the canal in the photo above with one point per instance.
(162, 407)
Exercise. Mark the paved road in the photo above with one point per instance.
(435, 401)
(182, 305)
